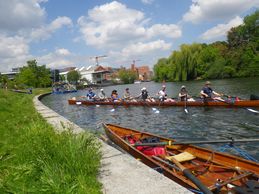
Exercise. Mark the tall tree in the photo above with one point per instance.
(127, 76)
(34, 75)
(73, 76)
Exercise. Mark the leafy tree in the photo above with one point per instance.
(73, 76)
(34, 75)
(163, 71)
(185, 61)
(127, 76)
(238, 57)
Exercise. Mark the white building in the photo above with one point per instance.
(95, 74)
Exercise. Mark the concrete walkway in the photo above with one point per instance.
(120, 173)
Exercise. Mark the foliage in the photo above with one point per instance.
(73, 76)
(127, 76)
(34, 75)
(238, 57)
(35, 159)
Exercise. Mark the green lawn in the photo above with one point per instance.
(35, 159)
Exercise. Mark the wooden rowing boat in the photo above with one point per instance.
(240, 103)
(219, 172)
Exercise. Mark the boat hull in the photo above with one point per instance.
(226, 167)
(241, 103)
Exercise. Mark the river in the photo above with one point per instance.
(201, 123)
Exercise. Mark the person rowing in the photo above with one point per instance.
(183, 95)
(144, 95)
(90, 95)
(127, 96)
(102, 96)
(207, 93)
(163, 96)
(115, 97)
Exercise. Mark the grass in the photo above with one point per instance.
(35, 159)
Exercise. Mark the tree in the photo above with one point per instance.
(163, 71)
(186, 61)
(34, 75)
(127, 76)
(73, 76)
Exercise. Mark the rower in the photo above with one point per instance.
(163, 96)
(144, 95)
(127, 96)
(102, 95)
(184, 96)
(207, 92)
(115, 97)
(90, 95)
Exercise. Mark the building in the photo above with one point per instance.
(11, 74)
(143, 72)
(95, 74)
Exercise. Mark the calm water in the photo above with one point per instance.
(202, 123)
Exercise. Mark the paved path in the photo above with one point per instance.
(120, 173)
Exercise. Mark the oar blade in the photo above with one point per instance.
(186, 110)
(78, 103)
(252, 110)
(157, 111)
(112, 110)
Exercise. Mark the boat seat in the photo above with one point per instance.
(182, 157)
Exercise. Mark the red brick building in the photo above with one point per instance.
(143, 72)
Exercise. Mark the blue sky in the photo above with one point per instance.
(62, 33)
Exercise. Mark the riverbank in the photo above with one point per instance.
(119, 172)
(33, 158)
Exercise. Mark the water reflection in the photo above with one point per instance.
(202, 123)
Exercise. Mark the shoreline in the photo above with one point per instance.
(119, 172)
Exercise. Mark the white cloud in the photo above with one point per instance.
(14, 51)
(141, 48)
(58, 59)
(170, 31)
(16, 14)
(45, 31)
(115, 25)
(209, 10)
(62, 51)
(221, 29)
(147, 1)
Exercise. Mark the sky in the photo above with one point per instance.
(70, 33)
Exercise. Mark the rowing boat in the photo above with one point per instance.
(240, 103)
(219, 172)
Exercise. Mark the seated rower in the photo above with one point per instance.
(163, 96)
(102, 96)
(207, 92)
(90, 95)
(127, 96)
(184, 96)
(115, 97)
(144, 95)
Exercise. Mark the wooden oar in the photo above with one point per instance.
(187, 173)
(118, 104)
(197, 142)
(185, 105)
(230, 103)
